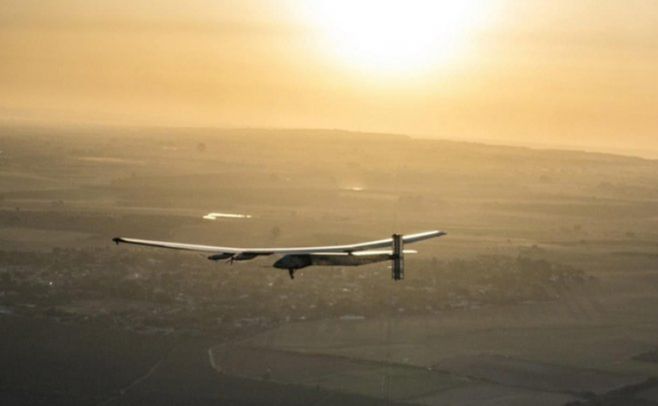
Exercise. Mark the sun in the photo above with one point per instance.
(395, 36)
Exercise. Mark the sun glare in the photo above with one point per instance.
(395, 36)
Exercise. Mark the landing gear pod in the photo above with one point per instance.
(398, 257)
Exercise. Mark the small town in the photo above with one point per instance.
(165, 292)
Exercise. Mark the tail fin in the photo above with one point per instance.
(398, 257)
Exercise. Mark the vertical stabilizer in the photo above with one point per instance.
(398, 257)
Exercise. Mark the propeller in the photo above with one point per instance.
(231, 259)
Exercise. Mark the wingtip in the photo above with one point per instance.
(116, 240)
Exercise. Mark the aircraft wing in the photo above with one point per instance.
(349, 248)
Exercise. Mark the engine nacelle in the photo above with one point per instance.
(398, 257)
(220, 256)
(240, 256)
(243, 256)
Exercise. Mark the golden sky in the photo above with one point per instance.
(557, 72)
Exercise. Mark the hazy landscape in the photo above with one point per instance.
(544, 291)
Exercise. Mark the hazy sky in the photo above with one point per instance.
(546, 71)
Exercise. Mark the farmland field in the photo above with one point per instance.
(544, 291)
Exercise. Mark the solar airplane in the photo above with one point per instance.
(294, 258)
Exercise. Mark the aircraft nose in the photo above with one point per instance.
(293, 262)
(281, 263)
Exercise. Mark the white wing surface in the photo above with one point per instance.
(350, 248)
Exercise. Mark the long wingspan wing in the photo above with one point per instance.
(177, 245)
(385, 243)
